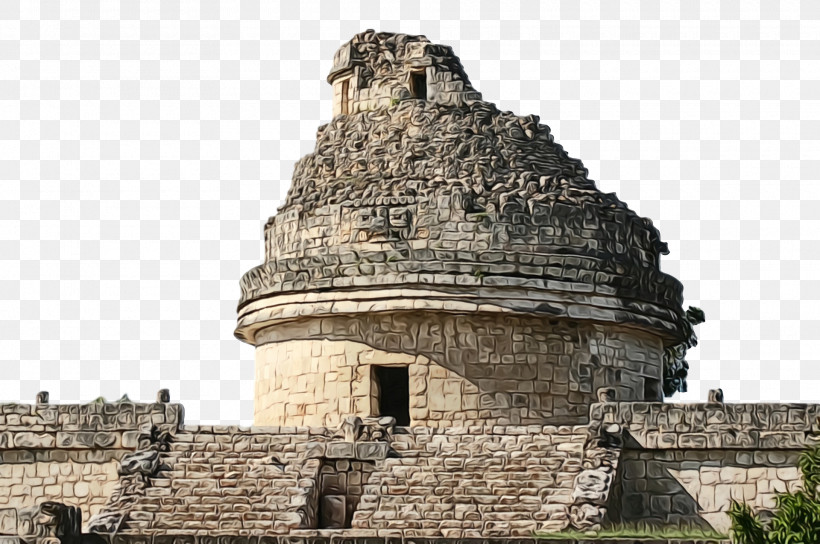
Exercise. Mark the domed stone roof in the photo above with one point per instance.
(423, 187)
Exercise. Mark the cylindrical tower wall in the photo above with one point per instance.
(462, 370)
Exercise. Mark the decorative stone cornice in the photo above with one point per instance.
(564, 300)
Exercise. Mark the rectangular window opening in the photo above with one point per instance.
(418, 85)
(393, 392)
(651, 390)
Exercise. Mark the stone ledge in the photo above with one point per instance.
(667, 425)
(114, 416)
(271, 310)
(29, 428)
(361, 451)
(420, 430)
(58, 455)
(350, 537)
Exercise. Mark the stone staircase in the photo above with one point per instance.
(225, 483)
(461, 485)
(453, 483)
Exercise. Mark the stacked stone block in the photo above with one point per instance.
(349, 224)
(464, 369)
(662, 463)
(462, 482)
(431, 231)
(467, 483)
(428, 229)
(70, 453)
(685, 463)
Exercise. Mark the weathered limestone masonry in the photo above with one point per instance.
(465, 482)
(70, 453)
(463, 369)
(432, 231)
(370, 72)
(458, 339)
(684, 463)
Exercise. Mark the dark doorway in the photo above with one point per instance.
(393, 386)
(341, 483)
(418, 85)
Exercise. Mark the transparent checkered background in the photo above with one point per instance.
(144, 144)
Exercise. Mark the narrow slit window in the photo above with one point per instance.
(393, 386)
(344, 99)
(418, 85)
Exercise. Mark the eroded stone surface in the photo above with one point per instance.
(480, 481)
(71, 453)
(463, 370)
(458, 336)
(429, 229)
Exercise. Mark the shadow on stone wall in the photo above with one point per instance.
(695, 488)
(544, 369)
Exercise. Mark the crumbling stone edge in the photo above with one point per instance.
(351, 539)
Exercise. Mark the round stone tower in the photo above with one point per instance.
(446, 263)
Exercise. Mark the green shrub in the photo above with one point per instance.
(796, 519)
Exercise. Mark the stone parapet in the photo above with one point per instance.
(94, 426)
(683, 464)
(358, 537)
(71, 453)
(749, 426)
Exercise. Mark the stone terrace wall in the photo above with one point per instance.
(461, 482)
(70, 453)
(207, 538)
(685, 463)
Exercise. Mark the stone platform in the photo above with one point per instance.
(135, 471)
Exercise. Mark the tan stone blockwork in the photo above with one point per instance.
(713, 488)
(87, 485)
(313, 382)
(696, 486)
(462, 369)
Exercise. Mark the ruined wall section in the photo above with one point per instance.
(685, 463)
(70, 453)
(463, 369)
(380, 69)
(466, 198)
(485, 481)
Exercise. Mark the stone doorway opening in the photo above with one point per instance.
(341, 482)
(418, 84)
(392, 391)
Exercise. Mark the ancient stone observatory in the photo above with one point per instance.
(446, 263)
(458, 337)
